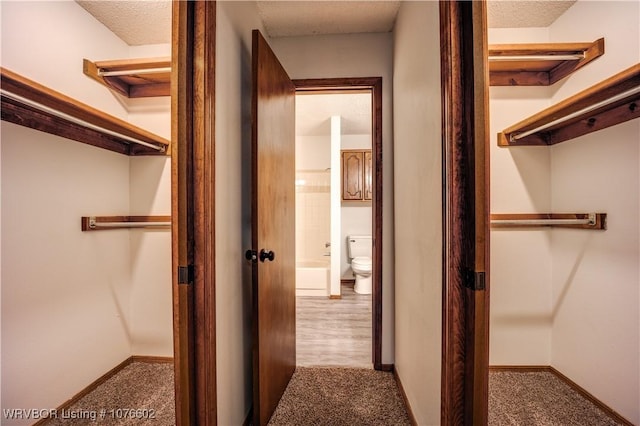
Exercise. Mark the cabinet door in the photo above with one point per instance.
(368, 189)
(352, 174)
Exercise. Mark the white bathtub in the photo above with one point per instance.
(312, 278)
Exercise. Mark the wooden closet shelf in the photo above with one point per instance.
(610, 102)
(133, 78)
(30, 104)
(539, 64)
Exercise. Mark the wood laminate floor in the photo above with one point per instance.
(334, 332)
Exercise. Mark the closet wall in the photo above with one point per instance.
(234, 23)
(596, 280)
(74, 304)
(586, 282)
(418, 207)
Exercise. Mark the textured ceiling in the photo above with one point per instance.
(135, 22)
(313, 112)
(519, 14)
(149, 21)
(295, 18)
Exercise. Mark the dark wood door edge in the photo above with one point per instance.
(192, 193)
(464, 389)
(375, 85)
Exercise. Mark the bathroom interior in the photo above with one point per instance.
(333, 227)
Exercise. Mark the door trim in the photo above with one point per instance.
(375, 85)
(465, 313)
(193, 211)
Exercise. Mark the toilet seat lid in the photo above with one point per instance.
(362, 260)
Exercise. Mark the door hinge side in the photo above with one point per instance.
(474, 280)
(186, 274)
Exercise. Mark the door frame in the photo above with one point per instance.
(464, 378)
(465, 289)
(193, 210)
(374, 85)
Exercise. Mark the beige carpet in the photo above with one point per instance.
(539, 399)
(340, 396)
(145, 387)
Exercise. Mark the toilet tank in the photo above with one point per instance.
(359, 245)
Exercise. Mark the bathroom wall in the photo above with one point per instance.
(418, 207)
(234, 23)
(355, 55)
(72, 303)
(313, 201)
(356, 215)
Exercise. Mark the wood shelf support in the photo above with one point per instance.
(133, 78)
(539, 64)
(30, 104)
(610, 102)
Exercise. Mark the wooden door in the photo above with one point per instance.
(273, 230)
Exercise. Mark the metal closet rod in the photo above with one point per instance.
(515, 136)
(128, 224)
(76, 120)
(573, 57)
(124, 224)
(590, 220)
(140, 71)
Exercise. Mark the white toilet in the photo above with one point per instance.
(360, 257)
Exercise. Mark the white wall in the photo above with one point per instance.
(234, 23)
(596, 322)
(418, 207)
(74, 305)
(65, 294)
(355, 55)
(520, 311)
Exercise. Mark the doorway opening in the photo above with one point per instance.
(339, 120)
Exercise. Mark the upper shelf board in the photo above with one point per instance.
(539, 64)
(30, 104)
(610, 102)
(133, 78)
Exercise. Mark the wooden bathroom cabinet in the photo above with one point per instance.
(356, 175)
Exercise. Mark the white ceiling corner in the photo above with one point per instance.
(524, 13)
(136, 22)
